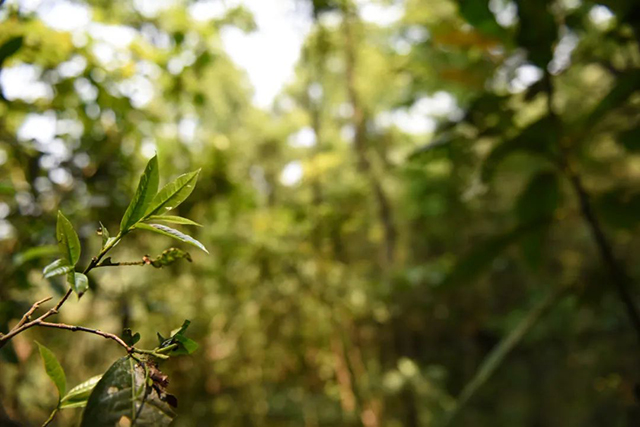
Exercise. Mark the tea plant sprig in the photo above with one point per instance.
(147, 208)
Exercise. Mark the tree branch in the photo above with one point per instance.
(75, 328)
(493, 361)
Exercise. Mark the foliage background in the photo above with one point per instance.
(369, 291)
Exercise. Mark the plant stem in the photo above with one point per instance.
(75, 328)
(51, 417)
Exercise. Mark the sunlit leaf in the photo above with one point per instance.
(53, 369)
(79, 283)
(168, 231)
(124, 392)
(173, 194)
(77, 397)
(68, 242)
(173, 220)
(146, 191)
(56, 268)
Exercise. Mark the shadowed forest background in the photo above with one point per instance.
(438, 214)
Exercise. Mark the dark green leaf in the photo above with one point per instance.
(56, 268)
(537, 31)
(173, 219)
(619, 208)
(125, 392)
(168, 231)
(540, 198)
(170, 256)
(68, 242)
(77, 397)
(147, 189)
(630, 140)
(130, 338)
(478, 14)
(10, 47)
(173, 194)
(53, 369)
(79, 283)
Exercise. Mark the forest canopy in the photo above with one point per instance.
(433, 223)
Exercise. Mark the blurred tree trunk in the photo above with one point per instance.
(360, 143)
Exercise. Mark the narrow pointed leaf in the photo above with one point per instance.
(56, 268)
(68, 242)
(77, 397)
(173, 194)
(172, 219)
(125, 392)
(53, 369)
(147, 189)
(168, 231)
(79, 283)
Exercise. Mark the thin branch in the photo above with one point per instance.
(619, 276)
(75, 328)
(27, 316)
(120, 264)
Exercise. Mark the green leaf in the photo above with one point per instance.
(53, 369)
(168, 231)
(630, 140)
(105, 234)
(56, 268)
(147, 189)
(68, 242)
(124, 391)
(35, 253)
(129, 338)
(619, 208)
(170, 256)
(79, 283)
(173, 194)
(478, 14)
(186, 345)
(537, 31)
(77, 397)
(9, 48)
(173, 219)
